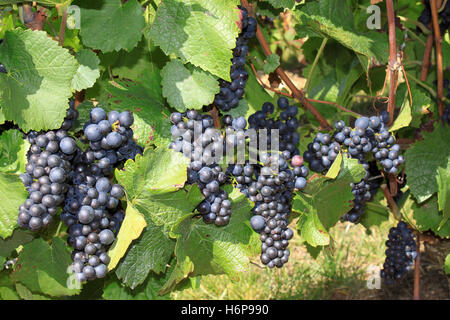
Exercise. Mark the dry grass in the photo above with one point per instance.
(338, 273)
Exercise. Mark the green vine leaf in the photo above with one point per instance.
(13, 149)
(201, 32)
(36, 90)
(111, 25)
(152, 184)
(187, 87)
(43, 268)
(88, 71)
(423, 160)
(12, 196)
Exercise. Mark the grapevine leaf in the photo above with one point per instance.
(144, 98)
(132, 65)
(426, 216)
(7, 291)
(423, 160)
(331, 198)
(43, 268)
(88, 71)
(283, 4)
(26, 294)
(13, 149)
(404, 117)
(7, 246)
(207, 249)
(111, 25)
(421, 105)
(152, 186)
(12, 195)
(309, 226)
(443, 181)
(333, 172)
(375, 212)
(187, 87)
(35, 92)
(273, 62)
(131, 229)
(333, 19)
(115, 290)
(84, 110)
(201, 32)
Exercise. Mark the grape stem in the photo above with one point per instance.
(39, 19)
(434, 4)
(295, 91)
(62, 30)
(290, 95)
(426, 61)
(393, 64)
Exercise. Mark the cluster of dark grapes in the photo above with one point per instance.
(287, 124)
(46, 176)
(425, 17)
(271, 182)
(194, 135)
(400, 253)
(231, 92)
(59, 174)
(92, 210)
(272, 189)
(370, 135)
(2, 69)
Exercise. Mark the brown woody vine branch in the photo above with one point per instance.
(295, 91)
(39, 19)
(393, 65)
(426, 62)
(434, 5)
(62, 30)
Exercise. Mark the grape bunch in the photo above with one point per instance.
(400, 253)
(194, 135)
(272, 190)
(369, 136)
(271, 182)
(287, 124)
(2, 69)
(231, 92)
(93, 217)
(425, 17)
(110, 138)
(92, 210)
(46, 176)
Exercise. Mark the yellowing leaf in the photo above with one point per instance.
(131, 229)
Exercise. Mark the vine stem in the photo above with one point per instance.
(434, 5)
(295, 91)
(316, 60)
(39, 19)
(290, 95)
(393, 61)
(417, 270)
(62, 30)
(337, 106)
(390, 201)
(426, 61)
